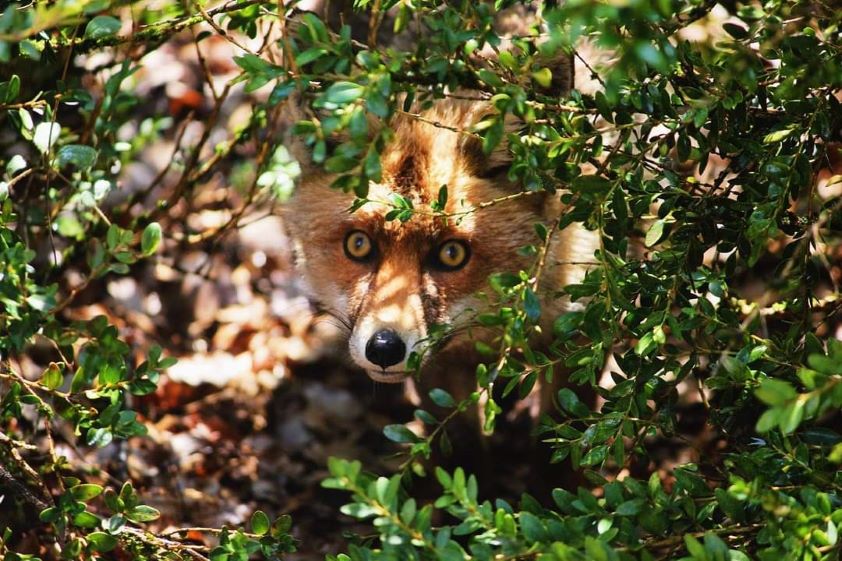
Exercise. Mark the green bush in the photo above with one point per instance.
(707, 154)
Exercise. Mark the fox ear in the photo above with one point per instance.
(292, 111)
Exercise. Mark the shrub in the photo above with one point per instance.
(713, 191)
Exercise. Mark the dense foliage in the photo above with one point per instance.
(711, 186)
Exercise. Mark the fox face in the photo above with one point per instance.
(389, 282)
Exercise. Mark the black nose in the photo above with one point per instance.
(385, 348)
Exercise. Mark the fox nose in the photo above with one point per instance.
(385, 348)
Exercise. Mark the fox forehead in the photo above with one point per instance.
(423, 156)
(417, 163)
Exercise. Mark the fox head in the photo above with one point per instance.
(388, 282)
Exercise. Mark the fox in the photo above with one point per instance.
(390, 283)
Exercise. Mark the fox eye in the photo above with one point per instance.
(358, 246)
(452, 255)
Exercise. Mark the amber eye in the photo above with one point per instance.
(452, 255)
(358, 246)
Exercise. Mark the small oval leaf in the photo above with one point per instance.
(151, 239)
(259, 523)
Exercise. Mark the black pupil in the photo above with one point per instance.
(358, 241)
(452, 251)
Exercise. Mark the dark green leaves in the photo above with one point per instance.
(570, 403)
(82, 157)
(257, 71)
(399, 433)
(441, 398)
(10, 89)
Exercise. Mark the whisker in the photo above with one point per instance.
(331, 320)
(343, 322)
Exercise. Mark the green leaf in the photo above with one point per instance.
(78, 155)
(408, 511)
(16, 163)
(102, 542)
(531, 305)
(358, 510)
(150, 239)
(400, 433)
(342, 93)
(85, 491)
(543, 77)
(757, 353)
(281, 526)
(31, 49)
(695, 548)
(654, 234)
(591, 184)
(49, 515)
(602, 107)
(716, 548)
(533, 529)
(112, 501)
(646, 344)
(777, 136)
(567, 323)
(595, 455)
(791, 416)
(142, 513)
(775, 392)
(259, 523)
(821, 436)
(10, 90)
(86, 519)
(53, 376)
(280, 92)
(570, 403)
(102, 26)
(768, 420)
(630, 508)
(493, 136)
(441, 398)
(489, 78)
(254, 64)
(426, 417)
(824, 364)
(310, 55)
